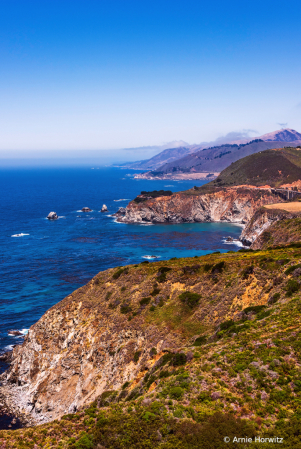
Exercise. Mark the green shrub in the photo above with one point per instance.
(85, 442)
(153, 352)
(91, 411)
(125, 385)
(164, 373)
(291, 287)
(179, 359)
(125, 308)
(137, 356)
(255, 309)
(207, 267)
(144, 301)
(264, 314)
(166, 358)
(154, 194)
(247, 271)
(292, 268)
(218, 267)
(108, 295)
(226, 325)
(119, 272)
(200, 340)
(162, 273)
(190, 299)
(176, 393)
(147, 416)
(204, 396)
(274, 298)
(107, 397)
(144, 262)
(155, 291)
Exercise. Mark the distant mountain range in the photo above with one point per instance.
(201, 159)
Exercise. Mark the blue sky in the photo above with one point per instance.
(109, 74)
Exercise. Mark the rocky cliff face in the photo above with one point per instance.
(260, 222)
(270, 227)
(80, 348)
(109, 333)
(234, 205)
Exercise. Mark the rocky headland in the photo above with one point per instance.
(233, 205)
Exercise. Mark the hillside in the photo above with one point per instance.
(269, 167)
(174, 354)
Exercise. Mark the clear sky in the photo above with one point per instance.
(108, 74)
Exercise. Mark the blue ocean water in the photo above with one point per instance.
(54, 258)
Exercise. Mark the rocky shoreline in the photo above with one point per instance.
(232, 205)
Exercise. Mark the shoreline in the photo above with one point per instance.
(178, 177)
(11, 417)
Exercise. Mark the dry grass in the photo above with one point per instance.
(289, 207)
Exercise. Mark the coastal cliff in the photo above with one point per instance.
(271, 227)
(111, 332)
(234, 205)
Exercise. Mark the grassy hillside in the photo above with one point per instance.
(236, 374)
(271, 167)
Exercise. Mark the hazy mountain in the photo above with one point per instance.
(282, 135)
(166, 159)
(216, 159)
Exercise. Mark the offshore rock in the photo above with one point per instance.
(14, 333)
(121, 211)
(104, 208)
(52, 216)
(86, 209)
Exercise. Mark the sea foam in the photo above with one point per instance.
(19, 235)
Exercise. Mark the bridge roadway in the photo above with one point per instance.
(287, 194)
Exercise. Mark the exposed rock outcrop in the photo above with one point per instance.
(121, 211)
(52, 216)
(15, 333)
(269, 227)
(234, 205)
(104, 208)
(86, 209)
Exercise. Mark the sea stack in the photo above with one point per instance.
(52, 216)
(104, 208)
(86, 209)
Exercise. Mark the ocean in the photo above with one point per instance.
(52, 258)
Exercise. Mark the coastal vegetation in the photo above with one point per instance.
(153, 194)
(234, 370)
